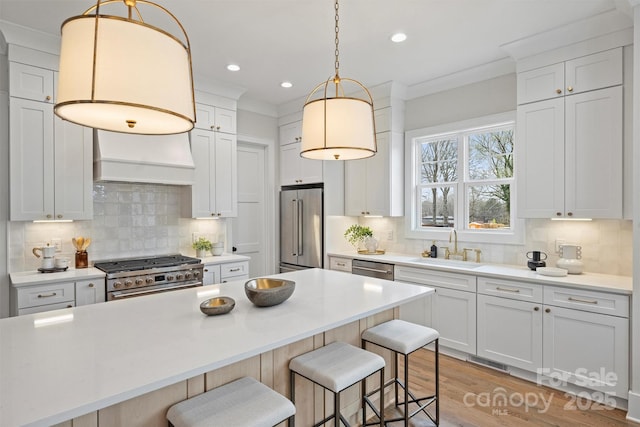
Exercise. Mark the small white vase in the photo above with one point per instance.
(201, 253)
(371, 244)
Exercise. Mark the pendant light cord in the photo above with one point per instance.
(337, 41)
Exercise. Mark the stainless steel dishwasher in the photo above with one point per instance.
(379, 270)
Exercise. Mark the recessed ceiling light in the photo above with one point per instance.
(286, 84)
(233, 67)
(398, 37)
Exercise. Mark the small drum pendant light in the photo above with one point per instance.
(123, 75)
(338, 127)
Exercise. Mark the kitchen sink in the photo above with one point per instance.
(447, 262)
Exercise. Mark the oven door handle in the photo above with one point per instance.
(120, 294)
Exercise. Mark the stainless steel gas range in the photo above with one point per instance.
(133, 277)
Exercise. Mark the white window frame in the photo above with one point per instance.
(514, 235)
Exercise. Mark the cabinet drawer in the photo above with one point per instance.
(579, 299)
(43, 308)
(244, 277)
(234, 269)
(34, 296)
(340, 264)
(429, 277)
(531, 292)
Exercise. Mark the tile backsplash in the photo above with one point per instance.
(606, 244)
(128, 220)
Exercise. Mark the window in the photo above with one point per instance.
(462, 177)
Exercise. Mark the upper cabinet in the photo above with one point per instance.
(578, 75)
(295, 169)
(51, 170)
(569, 147)
(216, 119)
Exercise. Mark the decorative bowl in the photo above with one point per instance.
(217, 305)
(266, 291)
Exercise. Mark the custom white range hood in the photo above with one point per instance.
(157, 159)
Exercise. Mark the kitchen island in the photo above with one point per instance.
(126, 362)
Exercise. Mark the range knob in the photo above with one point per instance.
(117, 285)
(196, 274)
(180, 276)
(139, 282)
(170, 278)
(150, 280)
(128, 282)
(188, 275)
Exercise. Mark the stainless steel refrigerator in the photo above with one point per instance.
(301, 228)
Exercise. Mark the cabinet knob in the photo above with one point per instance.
(570, 214)
(70, 306)
(558, 213)
(217, 127)
(48, 97)
(59, 216)
(219, 214)
(558, 91)
(206, 270)
(213, 214)
(570, 88)
(48, 216)
(91, 285)
(536, 308)
(548, 310)
(213, 127)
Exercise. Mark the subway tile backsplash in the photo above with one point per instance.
(128, 220)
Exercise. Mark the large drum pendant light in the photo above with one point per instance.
(124, 75)
(338, 127)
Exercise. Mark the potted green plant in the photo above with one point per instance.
(202, 246)
(358, 235)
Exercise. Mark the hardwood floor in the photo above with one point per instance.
(469, 397)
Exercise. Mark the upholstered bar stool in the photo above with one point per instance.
(244, 402)
(404, 338)
(336, 367)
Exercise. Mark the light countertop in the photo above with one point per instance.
(103, 354)
(586, 280)
(29, 278)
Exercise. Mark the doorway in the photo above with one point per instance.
(249, 229)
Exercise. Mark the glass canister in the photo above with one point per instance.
(82, 259)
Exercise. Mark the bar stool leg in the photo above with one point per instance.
(292, 384)
(437, 358)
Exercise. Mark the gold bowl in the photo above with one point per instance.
(218, 305)
(266, 291)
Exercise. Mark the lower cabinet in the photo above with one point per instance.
(90, 291)
(226, 272)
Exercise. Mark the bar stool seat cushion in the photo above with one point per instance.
(336, 366)
(400, 336)
(244, 402)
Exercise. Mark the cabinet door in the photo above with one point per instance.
(355, 193)
(211, 274)
(31, 160)
(377, 185)
(454, 317)
(90, 292)
(291, 133)
(310, 170)
(30, 82)
(225, 120)
(290, 164)
(541, 83)
(225, 175)
(201, 191)
(418, 311)
(595, 71)
(593, 173)
(43, 308)
(73, 171)
(540, 159)
(510, 331)
(587, 349)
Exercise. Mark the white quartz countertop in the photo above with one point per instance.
(29, 278)
(586, 280)
(224, 258)
(102, 354)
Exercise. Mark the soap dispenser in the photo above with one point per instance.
(434, 250)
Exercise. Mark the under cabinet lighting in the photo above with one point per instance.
(570, 219)
(51, 220)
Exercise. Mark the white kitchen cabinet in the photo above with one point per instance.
(51, 160)
(587, 349)
(375, 185)
(209, 117)
(340, 264)
(234, 271)
(89, 291)
(40, 298)
(29, 82)
(565, 146)
(510, 331)
(211, 274)
(295, 169)
(215, 190)
(577, 75)
(291, 133)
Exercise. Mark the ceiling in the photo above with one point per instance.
(293, 40)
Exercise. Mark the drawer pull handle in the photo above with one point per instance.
(498, 288)
(53, 294)
(341, 264)
(234, 269)
(585, 301)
